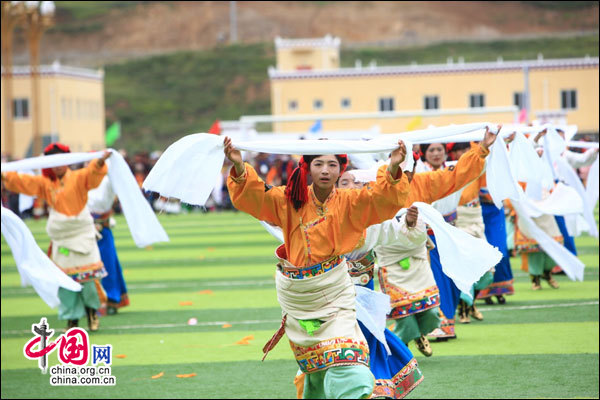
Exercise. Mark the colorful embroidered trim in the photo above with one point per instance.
(497, 289)
(446, 329)
(313, 271)
(485, 196)
(409, 377)
(404, 303)
(84, 268)
(327, 353)
(85, 276)
(305, 228)
(449, 218)
(524, 244)
(473, 203)
(365, 265)
(415, 307)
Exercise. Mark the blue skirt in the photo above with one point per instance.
(113, 283)
(495, 233)
(569, 241)
(396, 375)
(449, 293)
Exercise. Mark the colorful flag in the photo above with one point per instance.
(215, 128)
(523, 116)
(317, 127)
(414, 123)
(112, 134)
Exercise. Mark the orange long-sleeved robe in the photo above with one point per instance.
(471, 192)
(430, 186)
(319, 231)
(67, 195)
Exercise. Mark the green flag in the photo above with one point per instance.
(113, 133)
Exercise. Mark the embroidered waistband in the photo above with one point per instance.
(102, 219)
(312, 271)
(331, 352)
(449, 218)
(361, 271)
(473, 203)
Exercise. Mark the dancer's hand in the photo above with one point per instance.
(234, 156)
(510, 137)
(540, 135)
(397, 157)
(101, 160)
(412, 214)
(489, 138)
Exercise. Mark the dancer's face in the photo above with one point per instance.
(347, 182)
(60, 171)
(325, 171)
(458, 153)
(435, 155)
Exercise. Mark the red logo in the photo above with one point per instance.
(73, 346)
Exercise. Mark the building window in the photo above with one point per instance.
(568, 99)
(518, 100)
(476, 100)
(346, 103)
(386, 104)
(431, 102)
(317, 104)
(20, 108)
(292, 105)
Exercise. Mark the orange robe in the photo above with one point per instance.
(319, 231)
(471, 192)
(67, 195)
(430, 186)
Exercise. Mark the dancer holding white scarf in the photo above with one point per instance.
(316, 293)
(404, 268)
(395, 368)
(469, 219)
(71, 229)
(434, 159)
(100, 203)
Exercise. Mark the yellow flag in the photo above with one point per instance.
(414, 123)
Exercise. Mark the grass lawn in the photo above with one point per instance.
(538, 344)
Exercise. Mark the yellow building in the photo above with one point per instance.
(71, 109)
(308, 84)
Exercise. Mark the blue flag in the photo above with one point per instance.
(317, 126)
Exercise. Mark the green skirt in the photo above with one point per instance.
(344, 382)
(73, 304)
(412, 327)
(539, 262)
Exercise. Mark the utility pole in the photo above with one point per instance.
(39, 18)
(233, 21)
(12, 14)
(526, 100)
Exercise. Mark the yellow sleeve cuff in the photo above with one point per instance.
(390, 178)
(238, 179)
(483, 152)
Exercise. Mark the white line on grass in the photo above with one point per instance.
(157, 326)
(263, 321)
(195, 285)
(537, 306)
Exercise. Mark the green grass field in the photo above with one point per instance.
(538, 345)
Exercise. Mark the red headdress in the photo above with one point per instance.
(54, 148)
(296, 189)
